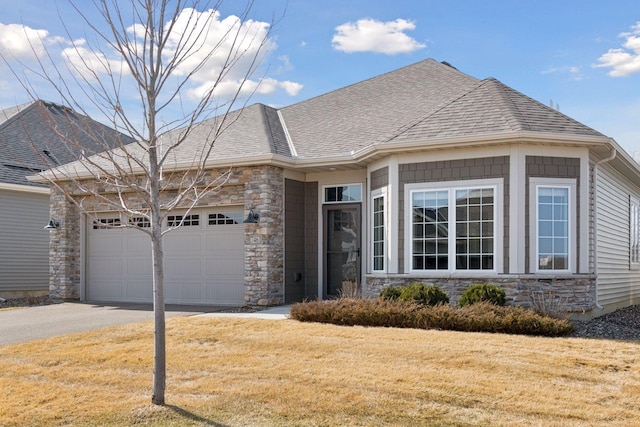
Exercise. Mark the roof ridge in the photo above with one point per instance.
(17, 109)
(517, 120)
(435, 111)
(377, 76)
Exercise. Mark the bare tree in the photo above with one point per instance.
(151, 51)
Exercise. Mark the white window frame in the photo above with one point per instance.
(379, 194)
(634, 233)
(324, 193)
(535, 183)
(497, 185)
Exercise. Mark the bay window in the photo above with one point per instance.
(453, 228)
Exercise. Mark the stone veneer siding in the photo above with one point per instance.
(551, 167)
(455, 170)
(260, 188)
(573, 293)
(64, 247)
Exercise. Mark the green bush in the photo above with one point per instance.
(390, 293)
(416, 292)
(480, 317)
(483, 292)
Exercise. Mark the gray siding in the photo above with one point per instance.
(24, 244)
(619, 284)
(380, 178)
(294, 253)
(311, 239)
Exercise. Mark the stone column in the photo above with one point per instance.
(64, 248)
(264, 241)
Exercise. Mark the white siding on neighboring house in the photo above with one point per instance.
(24, 243)
(617, 280)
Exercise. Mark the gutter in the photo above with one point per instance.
(595, 221)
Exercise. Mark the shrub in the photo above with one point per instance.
(483, 292)
(480, 317)
(390, 293)
(416, 292)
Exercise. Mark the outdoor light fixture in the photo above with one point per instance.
(52, 224)
(252, 218)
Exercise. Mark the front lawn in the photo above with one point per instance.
(251, 372)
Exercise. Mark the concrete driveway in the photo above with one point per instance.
(30, 323)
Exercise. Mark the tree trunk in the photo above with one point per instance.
(159, 354)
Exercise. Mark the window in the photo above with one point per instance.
(225, 218)
(188, 220)
(343, 193)
(453, 229)
(553, 227)
(378, 233)
(106, 223)
(634, 231)
(141, 222)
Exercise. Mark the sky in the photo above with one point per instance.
(581, 57)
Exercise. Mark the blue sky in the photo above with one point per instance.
(585, 56)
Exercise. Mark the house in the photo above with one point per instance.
(421, 174)
(29, 143)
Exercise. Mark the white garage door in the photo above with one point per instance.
(204, 260)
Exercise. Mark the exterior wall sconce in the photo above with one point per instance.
(52, 224)
(252, 218)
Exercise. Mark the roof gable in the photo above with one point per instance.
(366, 113)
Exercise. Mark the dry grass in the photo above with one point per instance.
(246, 372)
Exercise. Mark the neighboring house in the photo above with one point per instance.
(421, 174)
(30, 143)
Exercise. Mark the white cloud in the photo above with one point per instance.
(23, 42)
(626, 60)
(370, 35)
(575, 73)
(292, 88)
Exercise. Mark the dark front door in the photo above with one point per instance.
(342, 247)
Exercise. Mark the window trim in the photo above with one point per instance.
(354, 184)
(451, 186)
(534, 184)
(634, 229)
(379, 194)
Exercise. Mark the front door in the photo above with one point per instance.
(342, 247)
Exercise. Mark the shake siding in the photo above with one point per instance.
(24, 244)
(616, 279)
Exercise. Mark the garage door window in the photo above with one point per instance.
(140, 222)
(186, 220)
(227, 218)
(106, 223)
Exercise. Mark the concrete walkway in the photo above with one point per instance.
(273, 313)
(30, 323)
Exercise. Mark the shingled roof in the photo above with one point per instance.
(423, 102)
(32, 139)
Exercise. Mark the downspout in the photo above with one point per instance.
(595, 221)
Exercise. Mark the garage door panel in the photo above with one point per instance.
(138, 243)
(225, 240)
(107, 288)
(224, 293)
(184, 292)
(139, 267)
(227, 266)
(108, 267)
(110, 243)
(183, 267)
(139, 290)
(180, 241)
(204, 264)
